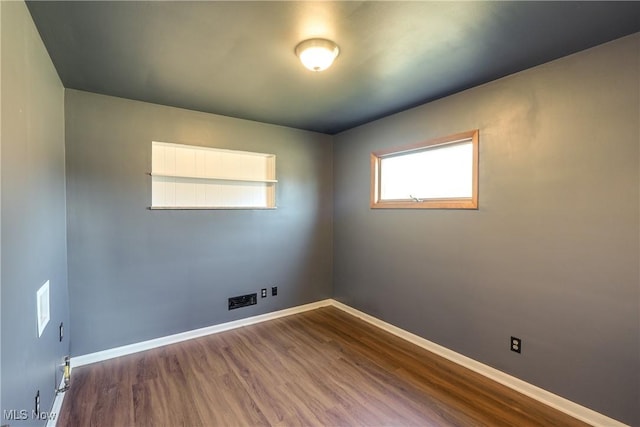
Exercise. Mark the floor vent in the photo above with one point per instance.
(242, 301)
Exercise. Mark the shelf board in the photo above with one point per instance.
(210, 208)
(213, 178)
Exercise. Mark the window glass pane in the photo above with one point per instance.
(436, 173)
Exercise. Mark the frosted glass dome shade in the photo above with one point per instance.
(317, 54)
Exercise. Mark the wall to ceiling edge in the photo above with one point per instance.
(551, 255)
(32, 219)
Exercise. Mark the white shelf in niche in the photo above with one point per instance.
(214, 178)
(204, 208)
(193, 177)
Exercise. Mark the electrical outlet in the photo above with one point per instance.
(61, 330)
(37, 404)
(516, 344)
(263, 292)
(274, 291)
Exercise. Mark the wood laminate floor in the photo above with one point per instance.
(322, 367)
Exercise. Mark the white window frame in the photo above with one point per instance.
(376, 200)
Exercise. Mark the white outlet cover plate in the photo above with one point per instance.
(42, 301)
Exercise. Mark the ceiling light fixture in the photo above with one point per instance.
(317, 54)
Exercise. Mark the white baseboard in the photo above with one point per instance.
(580, 412)
(196, 333)
(57, 407)
(560, 403)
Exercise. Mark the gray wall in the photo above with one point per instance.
(137, 274)
(551, 256)
(33, 225)
(1, 208)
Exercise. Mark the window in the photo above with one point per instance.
(192, 177)
(42, 305)
(438, 174)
